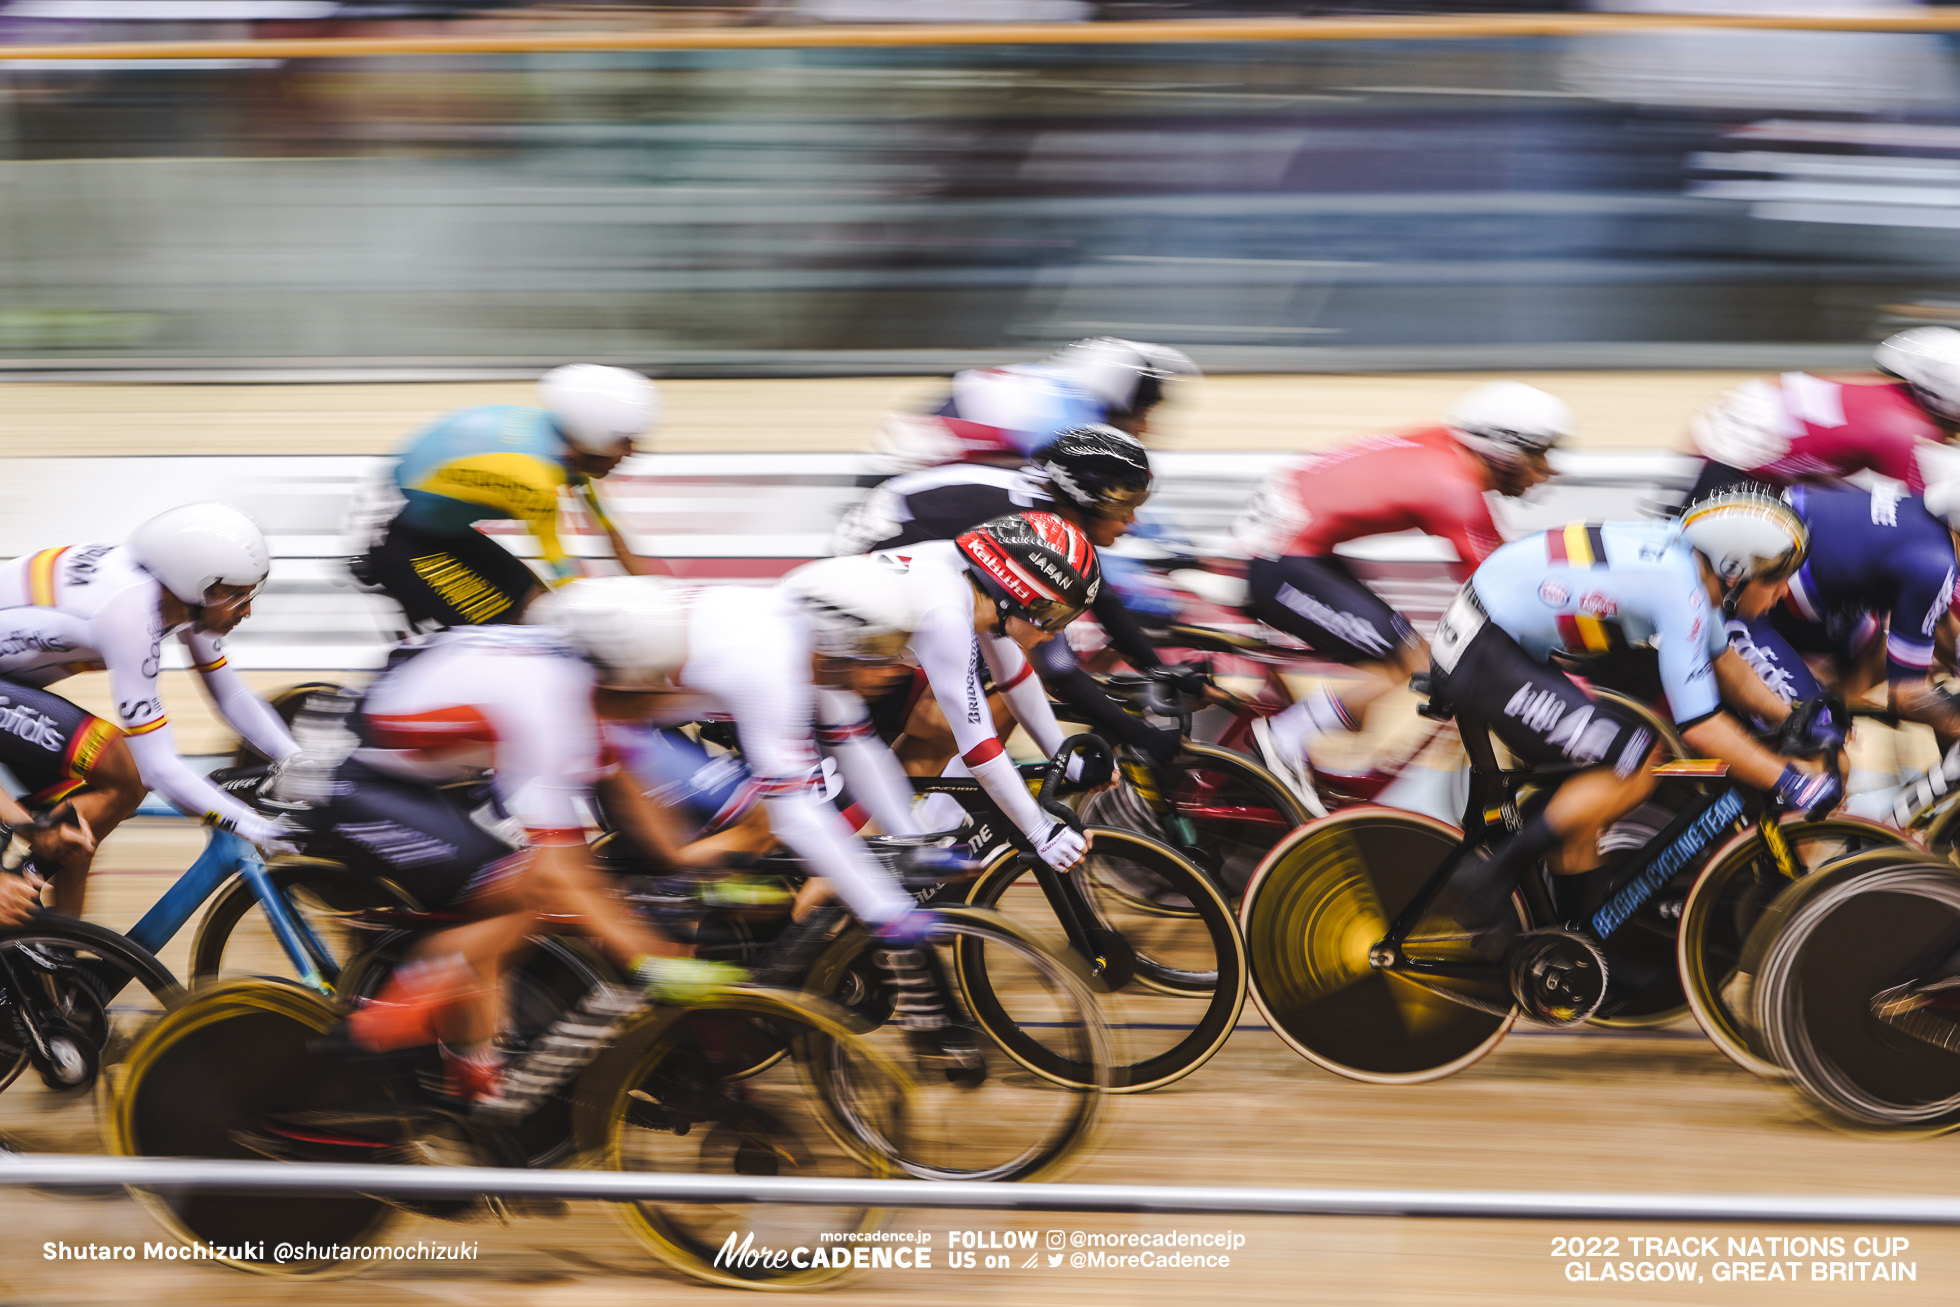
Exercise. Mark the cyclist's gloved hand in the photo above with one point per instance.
(1062, 846)
(1811, 794)
(274, 838)
(913, 930)
(1822, 730)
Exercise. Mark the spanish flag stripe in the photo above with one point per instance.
(212, 666)
(40, 576)
(146, 727)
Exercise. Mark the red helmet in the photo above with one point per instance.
(1034, 566)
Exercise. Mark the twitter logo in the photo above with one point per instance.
(1054, 1259)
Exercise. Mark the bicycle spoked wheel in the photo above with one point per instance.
(90, 992)
(678, 1093)
(235, 939)
(997, 1096)
(1822, 989)
(198, 1085)
(1727, 901)
(1219, 809)
(1169, 973)
(1317, 907)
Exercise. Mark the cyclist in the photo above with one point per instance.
(518, 701)
(1799, 427)
(983, 600)
(1433, 480)
(1880, 576)
(504, 461)
(1093, 476)
(191, 572)
(1582, 591)
(1002, 415)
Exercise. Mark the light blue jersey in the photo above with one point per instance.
(1590, 589)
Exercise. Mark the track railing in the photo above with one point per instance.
(82, 1172)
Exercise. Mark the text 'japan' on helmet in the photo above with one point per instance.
(1035, 566)
(192, 548)
(596, 407)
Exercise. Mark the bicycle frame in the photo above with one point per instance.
(225, 854)
(1111, 959)
(1694, 831)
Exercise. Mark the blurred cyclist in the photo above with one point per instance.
(1585, 590)
(1002, 415)
(1875, 596)
(1093, 476)
(191, 572)
(1431, 480)
(983, 601)
(504, 461)
(1798, 427)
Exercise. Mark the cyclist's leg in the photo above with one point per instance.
(465, 579)
(1319, 601)
(62, 754)
(1545, 718)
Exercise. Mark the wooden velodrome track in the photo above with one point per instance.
(1656, 1111)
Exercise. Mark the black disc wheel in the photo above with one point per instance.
(1312, 916)
(1724, 906)
(1855, 998)
(202, 1083)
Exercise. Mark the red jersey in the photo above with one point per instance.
(1415, 480)
(1797, 427)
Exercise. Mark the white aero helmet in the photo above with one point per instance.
(1128, 376)
(192, 548)
(858, 606)
(596, 407)
(1506, 421)
(1745, 534)
(1928, 360)
(632, 628)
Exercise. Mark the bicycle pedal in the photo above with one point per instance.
(1558, 977)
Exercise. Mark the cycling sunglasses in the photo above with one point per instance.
(1115, 503)
(1049, 615)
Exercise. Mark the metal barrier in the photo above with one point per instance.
(69, 1171)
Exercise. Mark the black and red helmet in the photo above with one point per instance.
(1034, 566)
